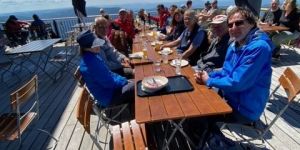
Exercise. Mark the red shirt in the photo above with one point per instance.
(14, 27)
(126, 26)
(161, 19)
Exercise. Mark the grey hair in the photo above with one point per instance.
(192, 14)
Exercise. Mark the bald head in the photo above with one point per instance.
(101, 26)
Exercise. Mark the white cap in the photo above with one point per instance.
(122, 10)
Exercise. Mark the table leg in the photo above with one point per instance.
(178, 127)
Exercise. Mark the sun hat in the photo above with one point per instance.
(219, 19)
(87, 39)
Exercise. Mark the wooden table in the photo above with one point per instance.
(270, 29)
(200, 102)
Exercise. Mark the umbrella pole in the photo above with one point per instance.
(81, 20)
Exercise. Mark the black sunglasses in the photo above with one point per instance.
(237, 23)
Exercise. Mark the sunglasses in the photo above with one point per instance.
(237, 23)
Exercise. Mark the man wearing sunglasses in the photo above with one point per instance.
(245, 78)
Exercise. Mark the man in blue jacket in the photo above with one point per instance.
(107, 87)
(245, 77)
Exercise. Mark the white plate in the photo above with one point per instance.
(183, 63)
(154, 83)
(167, 52)
(136, 55)
(158, 42)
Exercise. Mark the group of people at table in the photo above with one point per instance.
(235, 57)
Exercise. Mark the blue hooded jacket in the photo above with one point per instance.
(101, 82)
(246, 75)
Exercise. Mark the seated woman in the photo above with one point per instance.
(177, 26)
(107, 87)
(290, 19)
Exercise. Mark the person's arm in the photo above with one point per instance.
(243, 76)
(171, 44)
(197, 41)
(99, 70)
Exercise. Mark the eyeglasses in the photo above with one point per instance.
(237, 23)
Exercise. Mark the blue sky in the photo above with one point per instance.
(9, 6)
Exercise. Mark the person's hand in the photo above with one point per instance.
(125, 62)
(197, 77)
(204, 76)
(162, 46)
(201, 77)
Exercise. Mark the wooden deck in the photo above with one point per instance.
(57, 114)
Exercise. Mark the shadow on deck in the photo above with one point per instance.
(53, 96)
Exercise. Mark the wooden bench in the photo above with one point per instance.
(129, 136)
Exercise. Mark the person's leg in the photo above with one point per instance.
(282, 37)
(218, 138)
(124, 95)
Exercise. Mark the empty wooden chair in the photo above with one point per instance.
(13, 124)
(290, 82)
(129, 135)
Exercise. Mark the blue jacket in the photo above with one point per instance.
(99, 79)
(246, 75)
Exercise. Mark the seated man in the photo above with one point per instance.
(107, 87)
(126, 25)
(215, 55)
(205, 17)
(192, 41)
(38, 27)
(245, 77)
(116, 61)
(273, 15)
(162, 19)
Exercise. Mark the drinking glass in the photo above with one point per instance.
(157, 65)
(178, 63)
(164, 57)
(145, 51)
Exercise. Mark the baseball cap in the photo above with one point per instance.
(219, 19)
(87, 39)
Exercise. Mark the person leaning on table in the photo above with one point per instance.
(192, 41)
(245, 77)
(108, 88)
